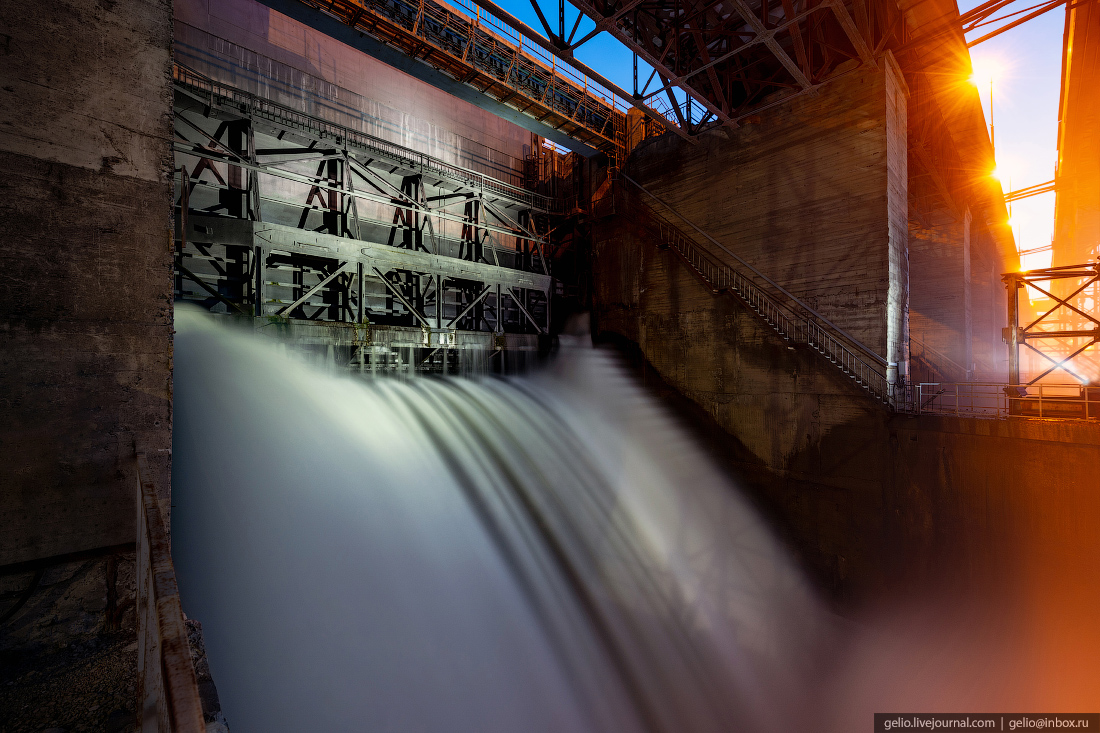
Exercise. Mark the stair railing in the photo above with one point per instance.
(784, 312)
(942, 367)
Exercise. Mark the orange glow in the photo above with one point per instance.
(985, 70)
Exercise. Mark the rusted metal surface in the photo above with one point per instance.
(168, 693)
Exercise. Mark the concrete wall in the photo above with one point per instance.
(1077, 209)
(869, 500)
(867, 497)
(810, 195)
(788, 411)
(957, 304)
(246, 44)
(813, 194)
(940, 314)
(86, 297)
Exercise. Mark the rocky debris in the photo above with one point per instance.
(69, 603)
(68, 655)
(88, 687)
(208, 693)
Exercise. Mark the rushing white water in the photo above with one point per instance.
(546, 553)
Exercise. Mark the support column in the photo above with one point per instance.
(260, 267)
(439, 303)
(1012, 332)
(360, 301)
(897, 206)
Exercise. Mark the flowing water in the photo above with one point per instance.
(539, 553)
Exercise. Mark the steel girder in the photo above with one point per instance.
(1066, 337)
(734, 58)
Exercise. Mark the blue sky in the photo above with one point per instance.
(1025, 114)
(1027, 60)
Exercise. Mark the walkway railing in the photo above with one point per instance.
(785, 313)
(213, 92)
(797, 322)
(999, 400)
(168, 691)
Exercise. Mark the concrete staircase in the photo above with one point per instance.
(783, 312)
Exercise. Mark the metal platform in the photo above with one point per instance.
(373, 350)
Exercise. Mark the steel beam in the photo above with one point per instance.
(315, 289)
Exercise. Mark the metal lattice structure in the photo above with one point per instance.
(1066, 330)
(734, 58)
(285, 217)
(475, 49)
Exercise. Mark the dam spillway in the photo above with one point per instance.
(545, 552)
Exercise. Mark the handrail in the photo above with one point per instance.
(794, 320)
(196, 84)
(1000, 400)
(168, 691)
(940, 359)
(794, 298)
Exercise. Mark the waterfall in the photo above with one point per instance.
(539, 553)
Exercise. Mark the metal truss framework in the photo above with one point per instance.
(734, 58)
(286, 216)
(985, 15)
(481, 52)
(1023, 193)
(1067, 336)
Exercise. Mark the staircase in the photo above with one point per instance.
(928, 365)
(789, 317)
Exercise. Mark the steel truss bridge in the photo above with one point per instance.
(393, 257)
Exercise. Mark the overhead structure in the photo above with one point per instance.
(733, 58)
(986, 16)
(1024, 193)
(473, 55)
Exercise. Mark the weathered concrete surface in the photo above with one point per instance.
(1077, 211)
(941, 304)
(957, 303)
(868, 498)
(780, 405)
(812, 195)
(805, 197)
(85, 301)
